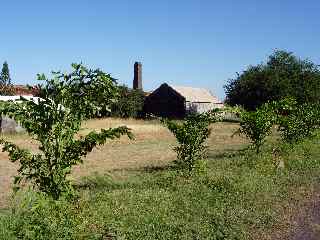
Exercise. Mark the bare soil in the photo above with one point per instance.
(307, 220)
(300, 219)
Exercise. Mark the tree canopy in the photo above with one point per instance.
(5, 80)
(129, 104)
(283, 75)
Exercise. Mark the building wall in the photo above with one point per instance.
(201, 107)
(165, 102)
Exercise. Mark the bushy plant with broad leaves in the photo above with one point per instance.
(257, 125)
(296, 121)
(54, 121)
(191, 135)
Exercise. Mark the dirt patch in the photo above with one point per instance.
(308, 220)
(300, 219)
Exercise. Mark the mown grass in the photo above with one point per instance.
(242, 196)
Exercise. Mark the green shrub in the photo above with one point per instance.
(191, 135)
(257, 125)
(296, 121)
(54, 122)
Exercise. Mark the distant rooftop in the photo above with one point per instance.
(24, 90)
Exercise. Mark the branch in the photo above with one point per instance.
(85, 145)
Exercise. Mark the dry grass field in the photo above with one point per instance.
(151, 148)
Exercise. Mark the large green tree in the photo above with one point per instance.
(283, 75)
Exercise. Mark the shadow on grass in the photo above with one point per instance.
(97, 181)
(148, 177)
(153, 169)
(227, 153)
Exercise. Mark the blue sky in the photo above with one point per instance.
(200, 43)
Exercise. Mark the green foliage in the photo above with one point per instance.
(284, 75)
(84, 92)
(129, 104)
(37, 217)
(54, 121)
(5, 78)
(5, 81)
(296, 121)
(191, 135)
(257, 125)
(34, 216)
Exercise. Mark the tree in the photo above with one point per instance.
(54, 121)
(284, 75)
(5, 80)
(129, 104)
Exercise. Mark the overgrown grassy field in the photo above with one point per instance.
(127, 190)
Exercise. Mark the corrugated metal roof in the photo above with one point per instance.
(192, 94)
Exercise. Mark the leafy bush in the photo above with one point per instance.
(257, 125)
(296, 121)
(54, 121)
(129, 104)
(191, 135)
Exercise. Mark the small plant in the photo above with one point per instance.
(191, 135)
(257, 125)
(34, 216)
(54, 121)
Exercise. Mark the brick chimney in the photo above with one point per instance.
(137, 80)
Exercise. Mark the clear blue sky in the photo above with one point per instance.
(200, 43)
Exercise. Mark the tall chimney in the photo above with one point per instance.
(137, 80)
